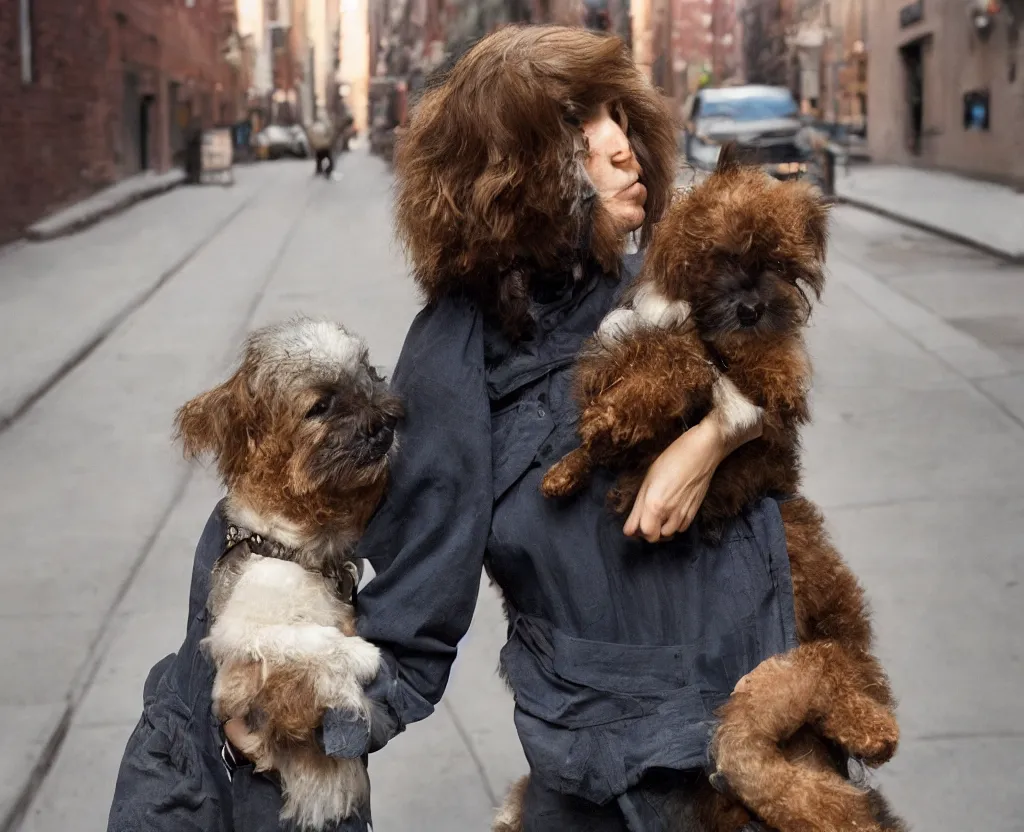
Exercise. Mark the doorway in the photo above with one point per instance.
(145, 111)
(913, 65)
(131, 157)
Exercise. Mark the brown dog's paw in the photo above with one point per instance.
(596, 422)
(566, 476)
(557, 482)
(865, 729)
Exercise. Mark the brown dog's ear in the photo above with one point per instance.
(817, 223)
(219, 422)
(729, 158)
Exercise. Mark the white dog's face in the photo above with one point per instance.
(302, 429)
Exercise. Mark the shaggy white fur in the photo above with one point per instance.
(315, 796)
(283, 615)
(648, 308)
(734, 411)
(658, 311)
(321, 346)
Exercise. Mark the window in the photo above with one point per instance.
(25, 29)
(751, 107)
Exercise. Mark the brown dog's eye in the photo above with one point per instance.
(320, 408)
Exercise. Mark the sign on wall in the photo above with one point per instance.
(976, 113)
(217, 156)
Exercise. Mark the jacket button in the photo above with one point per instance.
(540, 412)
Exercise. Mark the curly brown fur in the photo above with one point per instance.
(735, 255)
(491, 189)
(718, 311)
(300, 434)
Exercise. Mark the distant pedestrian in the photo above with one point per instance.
(321, 141)
(346, 126)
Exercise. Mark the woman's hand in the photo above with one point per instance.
(675, 485)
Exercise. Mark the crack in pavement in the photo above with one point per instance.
(467, 741)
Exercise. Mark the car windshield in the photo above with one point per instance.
(749, 108)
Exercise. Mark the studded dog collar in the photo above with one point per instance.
(257, 544)
(345, 576)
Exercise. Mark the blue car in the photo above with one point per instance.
(763, 121)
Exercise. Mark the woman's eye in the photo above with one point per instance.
(320, 408)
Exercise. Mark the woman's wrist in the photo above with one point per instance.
(726, 436)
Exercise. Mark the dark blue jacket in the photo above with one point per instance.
(618, 651)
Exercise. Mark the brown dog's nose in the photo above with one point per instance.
(749, 315)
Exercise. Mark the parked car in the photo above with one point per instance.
(763, 121)
(277, 142)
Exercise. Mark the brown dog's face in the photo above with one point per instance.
(747, 252)
(751, 294)
(302, 430)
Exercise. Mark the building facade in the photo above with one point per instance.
(685, 44)
(945, 86)
(766, 28)
(703, 42)
(96, 90)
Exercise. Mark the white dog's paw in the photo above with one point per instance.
(654, 309)
(354, 663)
(618, 325)
(364, 658)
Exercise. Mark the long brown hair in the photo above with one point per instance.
(491, 185)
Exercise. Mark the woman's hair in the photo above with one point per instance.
(491, 185)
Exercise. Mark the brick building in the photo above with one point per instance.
(96, 90)
(946, 85)
(686, 43)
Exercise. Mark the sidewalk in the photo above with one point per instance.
(979, 214)
(58, 299)
(109, 201)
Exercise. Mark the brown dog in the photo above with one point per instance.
(713, 324)
(300, 434)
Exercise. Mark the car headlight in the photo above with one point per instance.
(705, 153)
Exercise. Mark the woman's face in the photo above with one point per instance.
(613, 168)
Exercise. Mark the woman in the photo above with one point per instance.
(523, 176)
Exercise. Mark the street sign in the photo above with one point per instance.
(217, 157)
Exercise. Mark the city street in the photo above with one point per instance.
(916, 453)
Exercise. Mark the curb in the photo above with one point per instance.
(969, 242)
(52, 227)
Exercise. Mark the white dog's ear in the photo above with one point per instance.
(222, 422)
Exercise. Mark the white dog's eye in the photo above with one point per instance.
(320, 408)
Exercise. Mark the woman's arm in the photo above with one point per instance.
(426, 542)
(675, 485)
